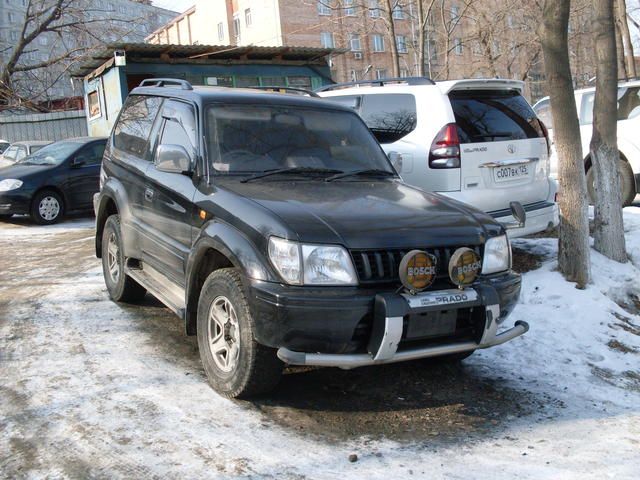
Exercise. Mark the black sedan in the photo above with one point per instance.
(58, 179)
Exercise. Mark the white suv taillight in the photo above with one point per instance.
(445, 149)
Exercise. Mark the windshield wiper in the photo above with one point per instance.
(368, 171)
(291, 170)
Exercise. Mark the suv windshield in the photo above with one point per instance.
(246, 139)
(490, 116)
(53, 154)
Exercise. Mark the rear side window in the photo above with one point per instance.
(389, 116)
(489, 116)
(131, 134)
(543, 111)
(628, 105)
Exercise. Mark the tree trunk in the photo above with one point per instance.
(609, 232)
(626, 38)
(422, 23)
(573, 243)
(621, 62)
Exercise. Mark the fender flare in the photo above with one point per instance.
(112, 191)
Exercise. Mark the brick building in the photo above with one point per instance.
(461, 39)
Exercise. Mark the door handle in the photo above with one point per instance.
(148, 194)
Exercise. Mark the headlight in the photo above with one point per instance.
(300, 264)
(10, 184)
(497, 255)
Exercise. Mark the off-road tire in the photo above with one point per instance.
(257, 369)
(41, 196)
(627, 184)
(124, 289)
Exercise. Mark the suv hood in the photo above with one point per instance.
(377, 214)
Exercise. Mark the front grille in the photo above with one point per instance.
(381, 266)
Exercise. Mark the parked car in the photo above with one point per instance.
(275, 226)
(628, 140)
(19, 150)
(59, 178)
(477, 141)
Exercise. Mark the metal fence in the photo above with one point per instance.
(43, 126)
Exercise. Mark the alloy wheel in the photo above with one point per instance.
(223, 334)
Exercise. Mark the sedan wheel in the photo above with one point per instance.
(49, 208)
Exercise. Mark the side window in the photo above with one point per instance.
(543, 111)
(628, 102)
(131, 134)
(21, 153)
(389, 116)
(92, 154)
(586, 109)
(179, 126)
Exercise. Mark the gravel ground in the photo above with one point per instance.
(95, 389)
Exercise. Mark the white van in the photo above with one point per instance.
(628, 138)
(477, 141)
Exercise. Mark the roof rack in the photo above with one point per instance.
(165, 82)
(381, 82)
(301, 91)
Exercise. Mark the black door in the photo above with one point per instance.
(168, 201)
(83, 179)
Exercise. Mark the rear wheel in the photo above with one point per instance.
(47, 207)
(120, 286)
(627, 184)
(236, 365)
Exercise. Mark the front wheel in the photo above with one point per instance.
(120, 286)
(236, 365)
(627, 184)
(47, 207)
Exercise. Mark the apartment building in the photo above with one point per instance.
(91, 23)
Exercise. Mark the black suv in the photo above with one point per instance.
(276, 228)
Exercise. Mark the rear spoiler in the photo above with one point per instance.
(481, 84)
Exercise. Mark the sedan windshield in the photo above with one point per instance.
(53, 154)
(251, 140)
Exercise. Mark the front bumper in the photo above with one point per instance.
(15, 202)
(345, 327)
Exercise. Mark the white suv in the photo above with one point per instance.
(628, 138)
(477, 141)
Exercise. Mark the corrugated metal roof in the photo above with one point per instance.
(177, 53)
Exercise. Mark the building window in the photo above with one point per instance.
(247, 17)
(381, 73)
(42, 40)
(13, 35)
(353, 75)
(374, 9)
(324, 7)
(401, 43)
(404, 72)
(94, 105)
(457, 46)
(355, 43)
(236, 28)
(326, 40)
(378, 43)
(476, 48)
(221, 31)
(348, 8)
(398, 12)
(11, 17)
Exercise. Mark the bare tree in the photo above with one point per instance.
(573, 248)
(75, 27)
(609, 231)
(627, 45)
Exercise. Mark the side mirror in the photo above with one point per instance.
(173, 159)
(396, 161)
(518, 212)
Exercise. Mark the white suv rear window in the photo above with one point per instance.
(490, 116)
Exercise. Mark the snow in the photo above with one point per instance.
(21, 226)
(110, 401)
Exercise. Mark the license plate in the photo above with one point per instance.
(512, 172)
(444, 298)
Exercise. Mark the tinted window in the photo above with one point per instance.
(389, 116)
(35, 148)
(489, 116)
(247, 139)
(92, 153)
(131, 134)
(586, 109)
(53, 154)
